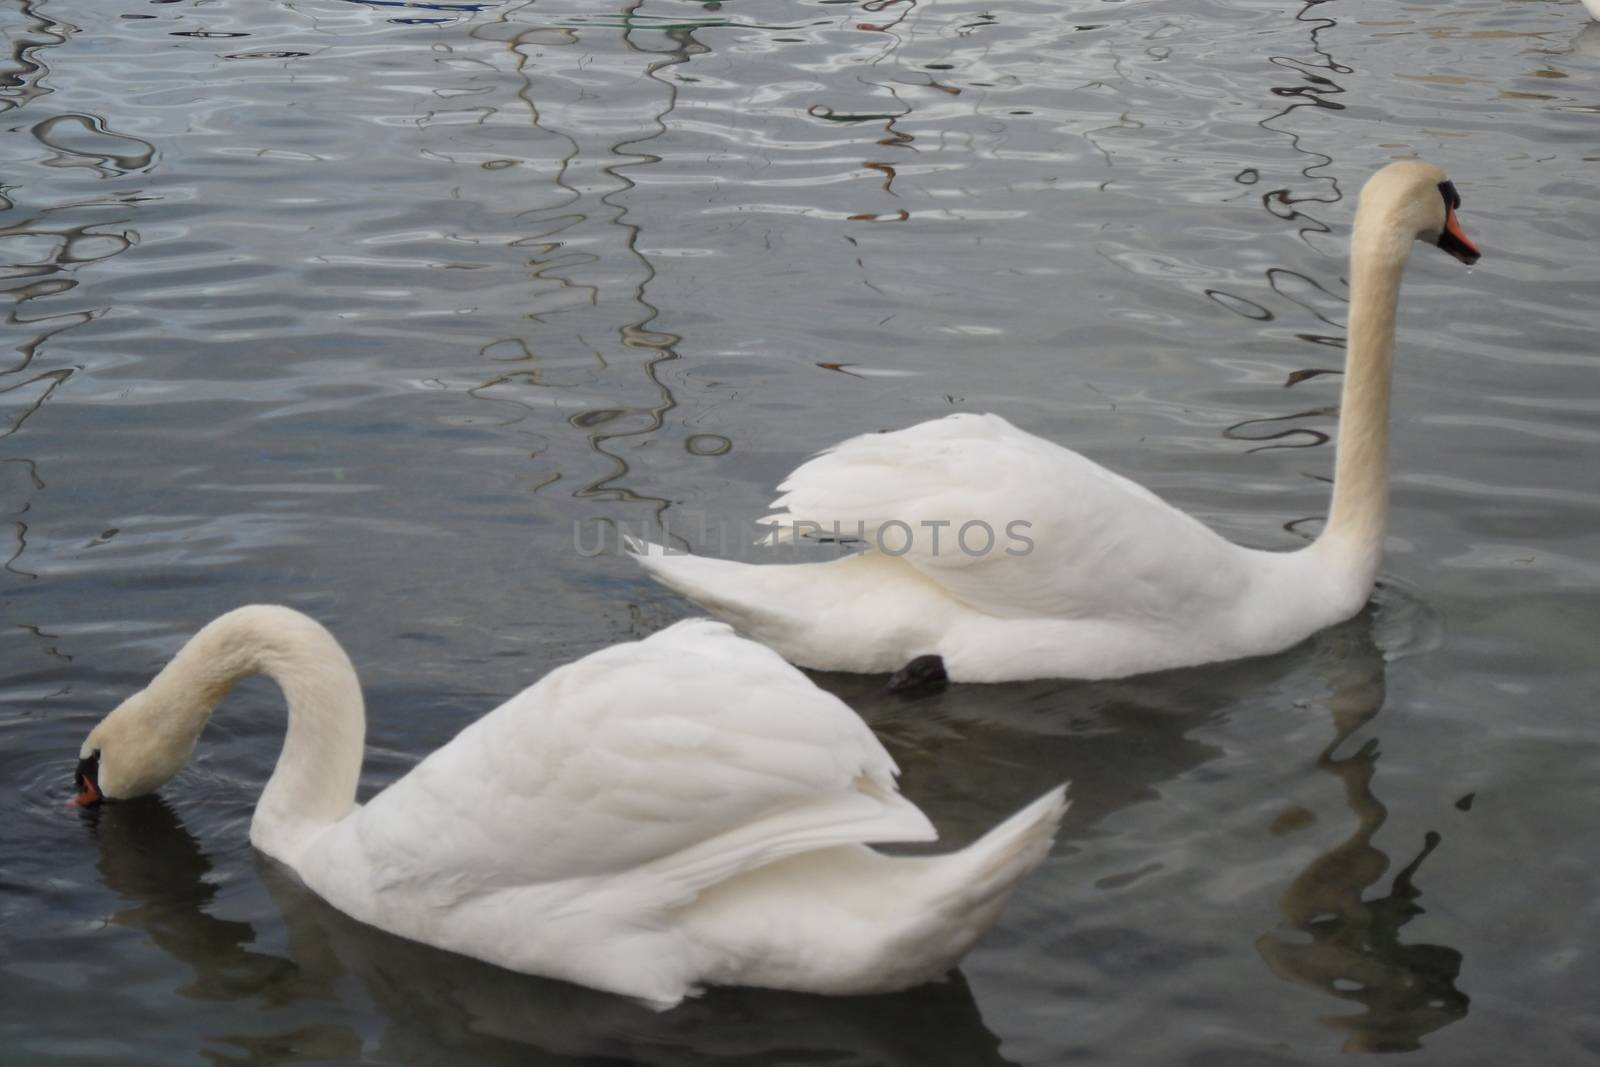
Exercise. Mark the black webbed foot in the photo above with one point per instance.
(922, 673)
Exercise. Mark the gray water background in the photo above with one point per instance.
(363, 307)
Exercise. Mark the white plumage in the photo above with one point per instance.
(683, 810)
(1116, 581)
(1088, 575)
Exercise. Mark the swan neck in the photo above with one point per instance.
(1359, 512)
(314, 782)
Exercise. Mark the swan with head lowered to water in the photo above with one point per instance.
(1101, 578)
(681, 811)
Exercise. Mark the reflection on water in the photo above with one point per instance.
(444, 1008)
(22, 79)
(1355, 953)
(364, 306)
(156, 866)
(586, 269)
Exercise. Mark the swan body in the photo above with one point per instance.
(1145, 587)
(1070, 570)
(1594, 8)
(679, 811)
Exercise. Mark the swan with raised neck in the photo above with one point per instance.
(660, 815)
(1109, 580)
(1397, 208)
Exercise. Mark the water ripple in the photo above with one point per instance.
(367, 306)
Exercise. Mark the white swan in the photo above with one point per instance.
(1594, 8)
(684, 810)
(1103, 579)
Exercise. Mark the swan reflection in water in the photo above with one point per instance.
(1355, 952)
(438, 1007)
(148, 858)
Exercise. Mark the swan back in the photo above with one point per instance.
(658, 815)
(672, 762)
(1046, 524)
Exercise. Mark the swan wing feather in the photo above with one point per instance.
(674, 761)
(1069, 537)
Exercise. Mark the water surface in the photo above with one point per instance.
(364, 307)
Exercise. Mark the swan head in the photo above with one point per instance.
(1417, 200)
(135, 750)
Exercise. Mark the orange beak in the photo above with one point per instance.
(84, 778)
(1455, 240)
(87, 797)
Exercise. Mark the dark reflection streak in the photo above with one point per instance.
(874, 216)
(33, 478)
(635, 334)
(1313, 93)
(1293, 526)
(72, 247)
(25, 80)
(638, 334)
(1355, 952)
(1239, 305)
(929, 82)
(892, 139)
(888, 172)
(53, 651)
(22, 546)
(822, 111)
(1276, 277)
(1125, 121)
(35, 483)
(56, 378)
(875, 6)
(30, 348)
(1296, 377)
(1317, 437)
(525, 94)
(49, 131)
(550, 220)
(897, 138)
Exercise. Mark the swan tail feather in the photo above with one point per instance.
(811, 612)
(959, 896)
(994, 863)
(754, 599)
(887, 922)
(700, 578)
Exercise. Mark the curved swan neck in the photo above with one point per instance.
(314, 782)
(1358, 515)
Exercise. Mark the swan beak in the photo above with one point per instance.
(1455, 241)
(88, 789)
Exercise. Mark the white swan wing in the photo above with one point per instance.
(1069, 538)
(670, 763)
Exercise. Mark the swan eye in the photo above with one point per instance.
(1452, 199)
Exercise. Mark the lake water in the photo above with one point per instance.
(365, 307)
